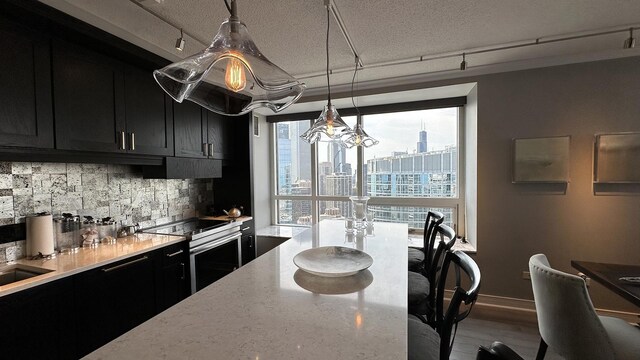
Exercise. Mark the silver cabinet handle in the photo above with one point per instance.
(183, 272)
(210, 149)
(132, 145)
(205, 149)
(123, 141)
(247, 228)
(125, 264)
(175, 253)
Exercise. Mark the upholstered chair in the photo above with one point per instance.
(568, 322)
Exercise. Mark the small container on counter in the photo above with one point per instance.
(66, 230)
(89, 232)
(107, 229)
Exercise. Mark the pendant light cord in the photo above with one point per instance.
(226, 3)
(353, 79)
(327, 46)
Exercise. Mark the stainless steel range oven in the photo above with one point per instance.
(214, 248)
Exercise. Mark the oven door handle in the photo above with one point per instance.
(210, 245)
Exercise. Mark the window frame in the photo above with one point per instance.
(457, 204)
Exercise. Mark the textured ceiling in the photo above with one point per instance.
(291, 33)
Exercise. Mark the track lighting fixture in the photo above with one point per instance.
(231, 76)
(630, 42)
(180, 42)
(463, 64)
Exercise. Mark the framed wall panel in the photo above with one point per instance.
(541, 160)
(617, 158)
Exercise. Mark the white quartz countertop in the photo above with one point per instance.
(88, 258)
(264, 310)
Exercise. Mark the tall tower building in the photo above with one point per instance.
(421, 146)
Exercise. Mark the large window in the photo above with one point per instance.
(414, 169)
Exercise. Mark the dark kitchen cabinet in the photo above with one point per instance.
(148, 114)
(190, 130)
(104, 105)
(36, 322)
(26, 112)
(113, 299)
(248, 241)
(172, 275)
(88, 93)
(219, 135)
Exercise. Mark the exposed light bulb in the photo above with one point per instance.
(330, 128)
(358, 140)
(235, 77)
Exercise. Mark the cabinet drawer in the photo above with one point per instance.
(175, 253)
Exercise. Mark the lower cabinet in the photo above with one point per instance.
(248, 242)
(173, 276)
(73, 316)
(113, 299)
(36, 322)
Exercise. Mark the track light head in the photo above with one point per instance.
(463, 64)
(630, 42)
(180, 42)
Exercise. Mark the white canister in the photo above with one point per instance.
(40, 235)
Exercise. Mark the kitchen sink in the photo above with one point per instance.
(17, 272)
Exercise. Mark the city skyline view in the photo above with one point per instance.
(416, 157)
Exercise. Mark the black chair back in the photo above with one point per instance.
(447, 238)
(447, 321)
(434, 218)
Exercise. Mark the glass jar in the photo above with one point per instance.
(107, 230)
(89, 232)
(66, 231)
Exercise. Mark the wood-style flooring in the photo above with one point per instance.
(522, 338)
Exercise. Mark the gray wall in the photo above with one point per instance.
(261, 176)
(517, 221)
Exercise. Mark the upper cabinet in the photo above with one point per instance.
(26, 117)
(88, 92)
(190, 130)
(219, 133)
(104, 105)
(148, 114)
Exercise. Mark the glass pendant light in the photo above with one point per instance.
(329, 124)
(359, 137)
(231, 76)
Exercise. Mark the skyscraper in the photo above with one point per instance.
(421, 146)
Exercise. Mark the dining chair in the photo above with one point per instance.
(422, 286)
(568, 322)
(431, 343)
(418, 256)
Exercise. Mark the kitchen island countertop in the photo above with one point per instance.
(269, 309)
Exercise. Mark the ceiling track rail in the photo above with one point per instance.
(166, 21)
(343, 29)
(458, 54)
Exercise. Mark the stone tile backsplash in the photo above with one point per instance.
(98, 190)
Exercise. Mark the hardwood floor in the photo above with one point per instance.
(522, 338)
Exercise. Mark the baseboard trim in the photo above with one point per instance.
(516, 310)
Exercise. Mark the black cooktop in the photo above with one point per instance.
(186, 227)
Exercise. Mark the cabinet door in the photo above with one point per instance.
(112, 300)
(26, 112)
(37, 324)
(173, 284)
(88, 99)
(190, 129)
(219, 135)
(148, 113)
(248, 241)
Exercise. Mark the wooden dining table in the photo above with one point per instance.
(610, 276)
